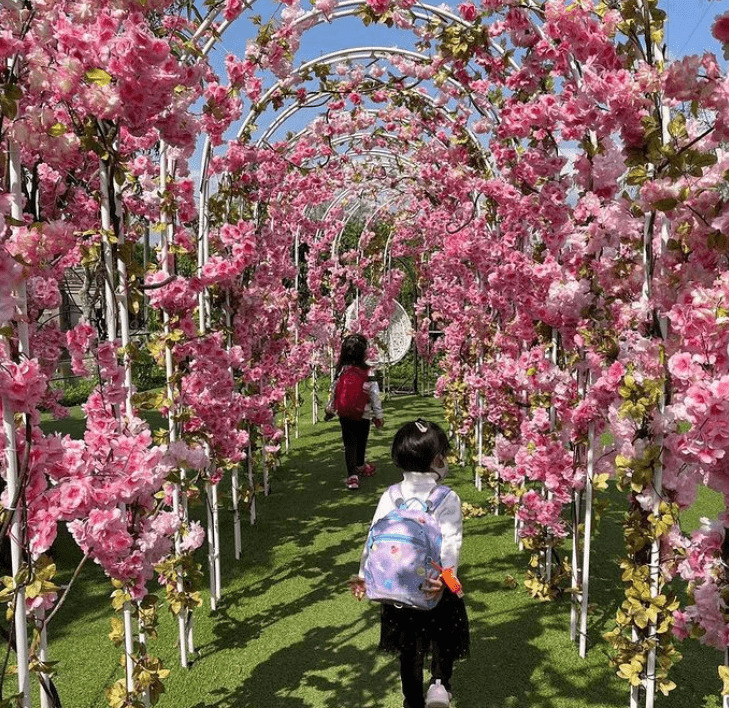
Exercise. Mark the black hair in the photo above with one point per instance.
(353, 352)
(417, 444)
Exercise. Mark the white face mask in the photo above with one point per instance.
(441, 471)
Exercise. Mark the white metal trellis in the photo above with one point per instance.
(14, 489)
(178, 504)
(112, 316)
(587, 544)
(345, 8)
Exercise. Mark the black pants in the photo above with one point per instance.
(411, 672)
(354, 436)
(413, 634)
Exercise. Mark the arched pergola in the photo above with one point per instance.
(559, 197)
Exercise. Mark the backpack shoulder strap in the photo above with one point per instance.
(437, 496)
(396, 495)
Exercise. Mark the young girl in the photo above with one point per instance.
(355, 433)
(420, 449)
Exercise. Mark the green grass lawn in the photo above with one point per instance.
(288, 635)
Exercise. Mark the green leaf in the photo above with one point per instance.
(683, 426)
(8, 107)
(665, 204)
(13, 91)
(116, 695)
(637, 176)
(704, 159)
(57, 130)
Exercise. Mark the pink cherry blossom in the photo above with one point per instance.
(720, 28)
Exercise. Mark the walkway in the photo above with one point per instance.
(288, 635)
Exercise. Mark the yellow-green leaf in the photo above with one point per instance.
(724, 676)
(57, 130)
(98, 76)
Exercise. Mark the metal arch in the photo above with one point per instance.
(292, 110)
(389, 155)
(347, 8)
(383, 152)
(394, 157)
(342, 138)
(370, 218)
(390, 163)
(342, 196)
(396, 160)
(342, 54)
(207, 149)
(285, 114)
(311, 102)
(420, 11)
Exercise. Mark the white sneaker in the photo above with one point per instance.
(437, 696)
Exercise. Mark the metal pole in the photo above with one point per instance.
(216, 538)
(204, 317)
(264, 462)
(657, 482)
(287, 441)
(479, 445)
(146, 698)
(11, 454)
(128, 647)
(251, 484)
(177, 502)
(117, 309)
(234, 482)
(576, 503)
(314, 402)
(553, 424)
(575, 610)
(121, 301)
(211, 545)
(45, 698)
(109, 276)
(585, 587)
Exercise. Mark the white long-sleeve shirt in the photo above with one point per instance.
(447, 514)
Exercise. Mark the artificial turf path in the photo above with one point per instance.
(287, 634)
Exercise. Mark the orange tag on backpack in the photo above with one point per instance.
(454, 585)
(450, 579)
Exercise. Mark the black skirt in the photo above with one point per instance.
(402, 628)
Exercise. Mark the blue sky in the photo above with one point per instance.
(689, 25)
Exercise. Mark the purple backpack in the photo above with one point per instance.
(402, 547)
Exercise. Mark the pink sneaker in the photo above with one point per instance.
(352, 482)
(367, 470)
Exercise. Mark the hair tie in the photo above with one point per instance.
(421, 425)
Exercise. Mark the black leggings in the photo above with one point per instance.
(354, 436)
(411, 672)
